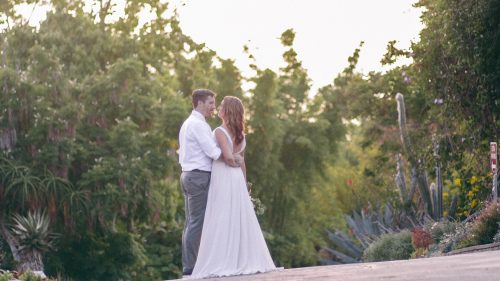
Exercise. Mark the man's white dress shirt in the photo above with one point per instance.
(197, 146)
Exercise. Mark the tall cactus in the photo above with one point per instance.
(438, 204)
(435, 200)
(453, 207)
(417, 173)
(400, 180)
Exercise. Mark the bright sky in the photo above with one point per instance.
(327, 31)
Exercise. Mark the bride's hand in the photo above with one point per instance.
(238, 159)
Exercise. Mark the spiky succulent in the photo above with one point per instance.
(32, 232)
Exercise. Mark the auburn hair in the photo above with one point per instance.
(234, 113)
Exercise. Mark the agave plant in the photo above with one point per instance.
(33, 238)
(365, 227)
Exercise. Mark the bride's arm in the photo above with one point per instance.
(227, 151)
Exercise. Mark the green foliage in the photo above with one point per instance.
(109, 256)
(454, 61)
(162, 248)
(89, 119)
(457, 239)
(6, 276)
(291, 139)
(228, 79)
(439, 230)
(459, 40)
(364, 227)
(450, 90)
(6, 259)
(390, 247)
(496, 239)
(362, 173)
(420, 253)
(91, 104)
(486, 225)
(481, 230)
(357, 175)
(258, 207)
(30, 276)
(471, 191)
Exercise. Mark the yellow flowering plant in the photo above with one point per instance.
(472, 191)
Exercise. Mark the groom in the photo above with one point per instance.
(197, 150)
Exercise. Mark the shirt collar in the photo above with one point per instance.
(198, 115)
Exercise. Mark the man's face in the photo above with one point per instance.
(207, 108)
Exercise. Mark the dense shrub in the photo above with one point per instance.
(30, 276)
(482, 230)
(496, 239)
(6, 276)
(485, 226)
(109, 257)
(390, 247)
(420, 238)
(438, 230)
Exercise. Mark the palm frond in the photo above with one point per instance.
(24, 187)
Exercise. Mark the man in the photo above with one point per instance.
(197, 150)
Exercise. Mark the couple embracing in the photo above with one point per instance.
(222, 236)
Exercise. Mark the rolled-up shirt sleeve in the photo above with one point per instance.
(206, 141)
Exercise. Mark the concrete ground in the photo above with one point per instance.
(481, 266)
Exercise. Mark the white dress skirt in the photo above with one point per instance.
(232, 242)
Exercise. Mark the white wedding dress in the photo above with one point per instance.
(231, 241)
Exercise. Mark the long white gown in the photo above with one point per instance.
(231, 241)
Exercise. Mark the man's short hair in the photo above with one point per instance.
(201, 95)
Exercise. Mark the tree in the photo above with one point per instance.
(291, 138)
(90, 111)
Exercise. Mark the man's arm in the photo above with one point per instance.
(206, 141)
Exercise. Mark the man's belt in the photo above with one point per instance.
(200, 171)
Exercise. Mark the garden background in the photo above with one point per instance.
(90, 111)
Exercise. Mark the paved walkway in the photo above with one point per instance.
(482, 266)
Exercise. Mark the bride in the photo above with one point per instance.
(231, 241)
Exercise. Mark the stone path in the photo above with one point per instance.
(482, 266)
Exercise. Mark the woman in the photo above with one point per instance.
(231, 241)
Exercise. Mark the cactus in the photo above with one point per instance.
(403, 133)
(453, 207)
(400, 180)
(418, 176)
(434, 197)
(367, 227)
(413, 183)
(438, 204)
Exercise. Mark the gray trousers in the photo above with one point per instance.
(194, 187)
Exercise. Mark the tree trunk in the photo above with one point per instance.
(31, 260)
(10, 240)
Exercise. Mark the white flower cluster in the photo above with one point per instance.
(257, 204)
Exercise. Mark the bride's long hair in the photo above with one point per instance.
(234, 113)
